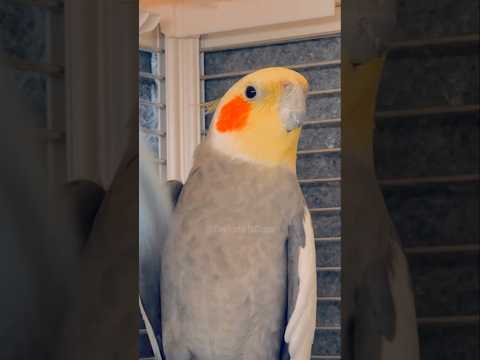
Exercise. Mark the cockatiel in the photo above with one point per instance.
(237, 270)
(378, 308)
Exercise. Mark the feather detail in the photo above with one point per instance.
(210, 106)
(300, 329)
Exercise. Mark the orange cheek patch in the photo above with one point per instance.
(233, 115)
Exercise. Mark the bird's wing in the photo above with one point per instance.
(302, 288)
(384, 293)
(404, 344)
(156, 201)
(375, 318)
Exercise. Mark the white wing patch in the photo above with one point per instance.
(300, 330)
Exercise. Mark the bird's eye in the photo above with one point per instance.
(250, 92)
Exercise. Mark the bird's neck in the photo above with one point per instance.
(273, 151)
(358, 110)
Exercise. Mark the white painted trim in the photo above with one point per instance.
(147, 22)
(183, 105)
(277, 33)
(194, 18)
(189, 101)
(118, 82)
(172, 90)
(80, 95)
(150, 40)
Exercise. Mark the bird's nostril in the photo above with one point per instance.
(288, 86)
(292, 106)
(294, 87)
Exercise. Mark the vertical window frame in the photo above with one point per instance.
(159, 76)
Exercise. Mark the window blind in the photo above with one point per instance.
(152, 103)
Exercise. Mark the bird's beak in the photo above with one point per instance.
(293, 106)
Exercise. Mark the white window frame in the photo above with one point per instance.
(184, 45)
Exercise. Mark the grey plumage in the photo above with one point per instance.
(224, 265)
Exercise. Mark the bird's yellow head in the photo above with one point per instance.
(260, 116)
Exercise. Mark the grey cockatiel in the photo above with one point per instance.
(378, 310)
(237, 270)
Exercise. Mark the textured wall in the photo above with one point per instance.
(436, 18)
